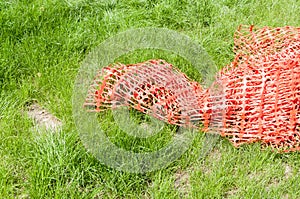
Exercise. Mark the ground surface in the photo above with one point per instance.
(43, 43)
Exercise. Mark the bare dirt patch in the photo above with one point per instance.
(182, 183)
(43, 119)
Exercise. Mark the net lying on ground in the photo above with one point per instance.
(256, 98)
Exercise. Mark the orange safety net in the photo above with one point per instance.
(260, 91)
(153, 87)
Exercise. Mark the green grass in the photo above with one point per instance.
(43, 43)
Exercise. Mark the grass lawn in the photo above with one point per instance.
(44, 42)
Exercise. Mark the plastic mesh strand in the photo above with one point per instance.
(261, 90)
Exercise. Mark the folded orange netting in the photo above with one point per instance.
(260, 91)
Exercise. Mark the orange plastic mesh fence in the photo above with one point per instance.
(261, 90)
(153, 87)
(262, 87)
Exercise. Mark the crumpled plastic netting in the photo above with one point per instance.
(257, 100)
